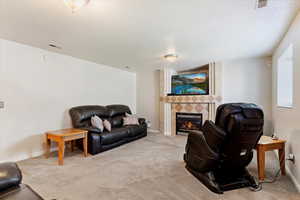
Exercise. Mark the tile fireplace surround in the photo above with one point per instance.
(204, 104)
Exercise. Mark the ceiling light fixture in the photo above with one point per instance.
(171, 57)
(76, 4)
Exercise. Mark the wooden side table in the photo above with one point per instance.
(63, 136)
(268, 144)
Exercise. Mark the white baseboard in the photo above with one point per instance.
(153, 130)
(290, 174)
(294, 180)
(25, 156)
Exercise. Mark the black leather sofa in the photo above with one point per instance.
(99, 142)
(219, 155)
(10, 184)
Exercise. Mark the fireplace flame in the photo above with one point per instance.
(190, 125)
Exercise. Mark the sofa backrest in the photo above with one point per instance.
(81, 115)
(116, 114)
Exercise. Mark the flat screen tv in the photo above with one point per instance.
(190, 84)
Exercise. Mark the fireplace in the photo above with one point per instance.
(186, 122)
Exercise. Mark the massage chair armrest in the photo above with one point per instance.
(142, 121)
(196, 140)
(199, 156)
(10, 176)
(214, 135)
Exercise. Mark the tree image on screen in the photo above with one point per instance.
(190, 84)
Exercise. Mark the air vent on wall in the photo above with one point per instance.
(54, 46)
(262, 3)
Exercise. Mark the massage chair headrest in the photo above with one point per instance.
(248, 111)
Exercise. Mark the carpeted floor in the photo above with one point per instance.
(147, 169)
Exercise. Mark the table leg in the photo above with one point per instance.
(261, 163)
(85, 146)
(72, 145)
(281, 154)
(48, 146)
(61, 151)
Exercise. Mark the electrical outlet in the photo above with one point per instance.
(148, 123)
(1, 104)
(261, 3)
(291, 158)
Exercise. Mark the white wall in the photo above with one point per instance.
(148, 96)
(38, 87)
(249, 81)
(287, 121)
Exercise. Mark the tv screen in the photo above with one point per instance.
(190, 84)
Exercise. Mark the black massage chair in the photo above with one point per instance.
(11, 187)
(218, 156)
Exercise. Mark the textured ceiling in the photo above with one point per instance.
(137, 33)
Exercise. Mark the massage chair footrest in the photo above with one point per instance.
(235, 180)
(236, 184)
(221, 184)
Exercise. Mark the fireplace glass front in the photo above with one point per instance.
(186, 122)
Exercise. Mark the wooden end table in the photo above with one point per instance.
(63, 136)
(268, 144)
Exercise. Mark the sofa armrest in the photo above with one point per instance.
(91, 129)
(142, 120)
(10, 176)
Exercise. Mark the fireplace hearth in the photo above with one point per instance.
(186, 122)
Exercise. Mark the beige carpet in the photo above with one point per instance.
(147, 169)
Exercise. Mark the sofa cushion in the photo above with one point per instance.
(135, 130)
(115, 135)
(97, 123)
(130, 120)
(117, 121)
(107, 125)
